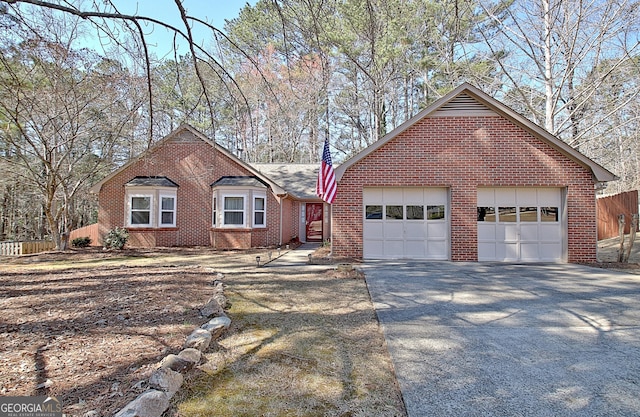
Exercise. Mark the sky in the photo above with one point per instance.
(161, 40)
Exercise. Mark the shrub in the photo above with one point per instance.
(116, 238)
(81, 242)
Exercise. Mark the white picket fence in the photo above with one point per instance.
(25, 248)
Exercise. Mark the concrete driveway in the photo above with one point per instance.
(477, 339)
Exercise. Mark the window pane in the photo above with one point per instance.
(394, 213)
(233, 217)
(258, 218)
(167, 217)
(259, 204)
(435, 212)
(415, 212)
(140, 203)
(548, 214)
(373, 212)
(234, 203)
(486, 214)
(140, 217)
(528, 214)
(507, 214)
(167, 203)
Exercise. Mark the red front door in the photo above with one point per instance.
(314, 222)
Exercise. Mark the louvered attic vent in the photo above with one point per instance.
(463, 105)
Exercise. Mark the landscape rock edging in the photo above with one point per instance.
(167, 379)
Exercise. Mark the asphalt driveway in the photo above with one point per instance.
(477, 339)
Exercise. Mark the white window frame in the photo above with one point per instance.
(223, 210)
(130, 209)
(161, 210)
(256, 196)
(155, 206)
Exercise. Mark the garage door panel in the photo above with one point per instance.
(373, 230)
(529, 252)
(549, 197)
(486, 231)
(416, 231)
(529, 232)
(550, 251)
(394, 249)
(394, 230)
(372, 196)
(487, 251)
(550, 232)
(505, 196)
(507, 251)
(437, 250)
(437, 230)
(415, 249)
(374, 247)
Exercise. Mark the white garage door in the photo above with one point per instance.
(520, 224)
(408, 223)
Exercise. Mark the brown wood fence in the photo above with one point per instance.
(610, 207)
(25, 248)
(90, 231)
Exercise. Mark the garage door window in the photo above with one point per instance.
(435, 212)
(394, 213)
(486, 214)
(528, 214)
(415, 212)
(507, 214)
(373, 212)
(408, 212)
(548, 214)
(518, 214)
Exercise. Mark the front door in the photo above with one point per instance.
(314, 222)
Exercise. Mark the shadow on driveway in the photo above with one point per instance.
(478, 339)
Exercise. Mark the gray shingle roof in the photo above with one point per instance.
(299, 180)
(151, 182)
(239, 182)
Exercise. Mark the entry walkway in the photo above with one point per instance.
(295, 257)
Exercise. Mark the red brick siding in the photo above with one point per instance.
(464, 153)
(194, 165)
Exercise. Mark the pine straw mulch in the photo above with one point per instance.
(82, 327)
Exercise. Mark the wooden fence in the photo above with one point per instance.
(610, 207)
(25, 248)
(90, 231)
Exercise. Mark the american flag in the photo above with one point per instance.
(326, 186)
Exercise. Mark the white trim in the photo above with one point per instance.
(130, 210)
(174, 211)
(255, 196)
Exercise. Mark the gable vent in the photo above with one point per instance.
(463, 105)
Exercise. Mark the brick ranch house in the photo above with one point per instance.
(187, 190)
(466, 179)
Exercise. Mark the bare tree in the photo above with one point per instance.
(561, 53)
(65, 113)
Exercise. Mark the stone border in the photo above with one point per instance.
(167, 379)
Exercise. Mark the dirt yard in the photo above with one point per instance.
(88, 326)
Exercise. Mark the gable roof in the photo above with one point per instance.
(473, 101)
(279, 191)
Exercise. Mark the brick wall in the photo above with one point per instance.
(464, 153)
(194, 165)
